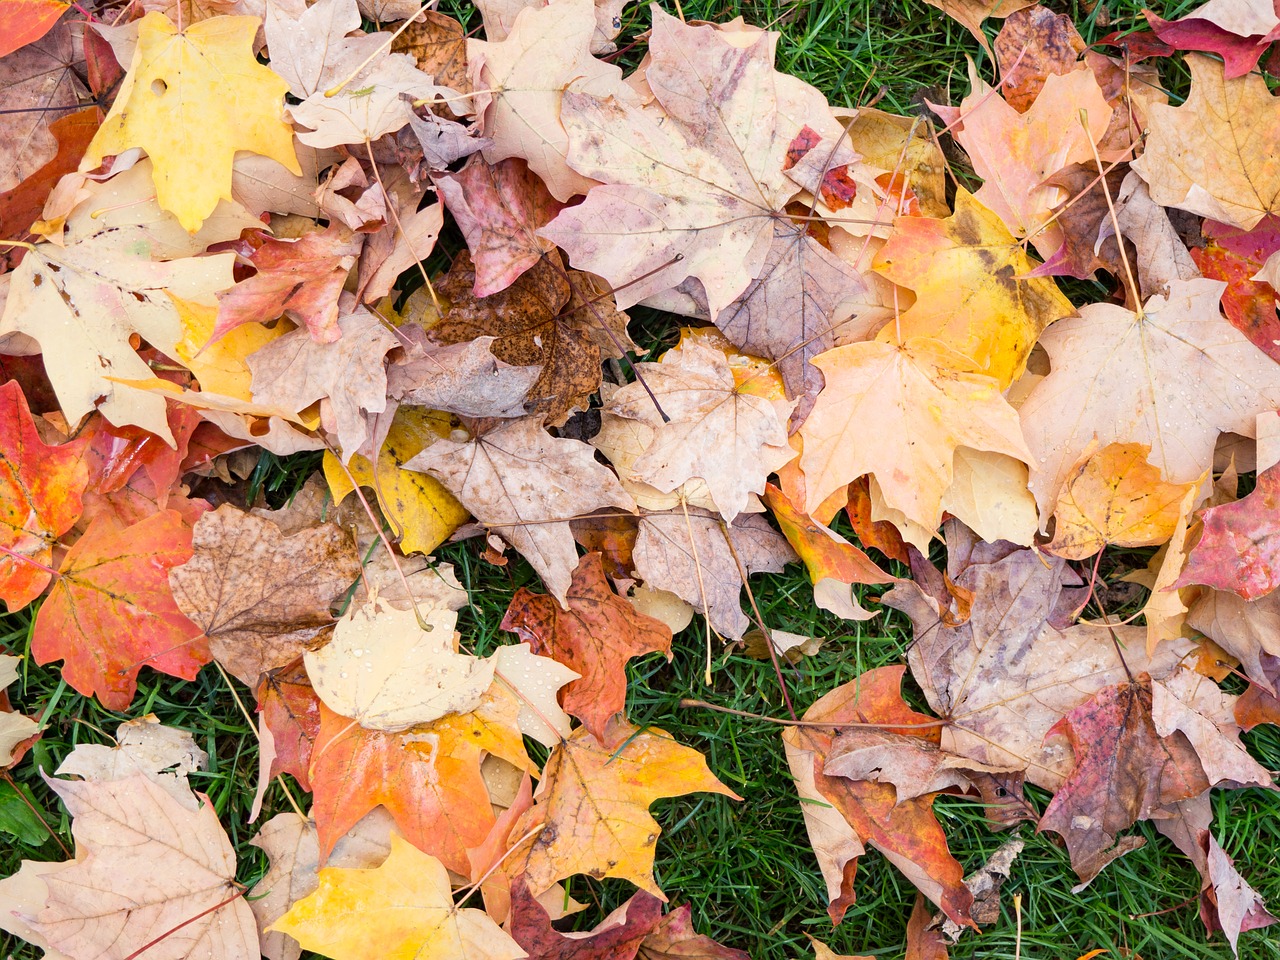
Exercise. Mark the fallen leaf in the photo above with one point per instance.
(702, 559)
(499, 208)
(26, 21)
(1125, 378)
(1238, 257)
(111, 611)
(1115, 497)
(40, 499)
(374, 102)
(312, 47)
(971, 13)
(1034, 44)
(595, 636)
(616, 937)
(40, 82)
(989, 494)
(165, 755)
(386, 672)
(1124, 771)
(260, 597)
(1240, 31)
(1237, 550)
(14, 727)
(874, 394)
(1187, 163)
(405, 906)
(527, 486)
(149, 866)
(675, 939)
(593, 806)
(463, 378)
(206, 70)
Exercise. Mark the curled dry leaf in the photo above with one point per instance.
(144, 746)
(1034, 44)
(260, 597)
(14, 727)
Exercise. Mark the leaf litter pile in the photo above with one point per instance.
(232, 249)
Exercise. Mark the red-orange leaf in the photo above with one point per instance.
(26, 21)
(1240, 548)
(111, 611)
(40, 498)
(596, 636)
(1235, 256)
(291, 711)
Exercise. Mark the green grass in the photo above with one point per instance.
(746, 868)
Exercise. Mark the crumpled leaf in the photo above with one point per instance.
(499, 208)
(260, 597)
(40, 498)
(675, 939)
(14, 727)
(383, 670)
(967, 274)
(527, 486)
(348, 374)
(1124, 772)
(207, 70)
(1238, 549)
(402, 908)
(1126, 379)
(1033, 44)
(616, 937)
(593, 802)
(1240, 31)
(463, 378)
(874, 396)
(905, 831)
(1195, 161)
(595, 636)
(148, 865)
(111, 611)
(688, 552)
(1115, 497)
(301, 278)
(546, 49)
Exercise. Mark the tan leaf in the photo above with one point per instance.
(527, 486)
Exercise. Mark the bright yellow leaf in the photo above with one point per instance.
(401, 910)
(220, 366)
(420, 509)
(191, 100)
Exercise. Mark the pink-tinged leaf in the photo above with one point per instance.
(1236, 256)
(1139, 45)
(499, 208)
(40, 498)
(1240, 548)
(26, 21)
(616, 937)
(1240, 55)
(300, 277)
(111, 611)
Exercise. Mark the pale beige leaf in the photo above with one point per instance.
(989, 493)
(311, 48)
(536, 682)
(164, 754)
(368, 107)
(1194, 704)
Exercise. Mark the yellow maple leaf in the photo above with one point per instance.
(965, 273)
(422, 512)
(191, 100)
(219, 366)
(401, 910)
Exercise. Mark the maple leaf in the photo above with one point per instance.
(150, 869)
(1082, 218)
(617, 937)
(499, 208)
(348, 374)
(527, 485)
(1197, 160)
(289, 710)
(595, 636)
(427, 777)
(40, 81)
(971, 13)
(26, 21)
(1238, 258)
(1237, 550)
(111, 611)
(220, 365)
(463, 378)
(1240, 32)
(261, 597)
(675, 939)
(401, 909)
(15, 729)
(1034, 44)
(528, 329)
(40, 498)
(904, 830)
(385, 671)
(967, 274)
(439, 45)
(1015, 153)
(593, 806)
(1124, 771)
(1003, 675)
(703, 560)
(206, 71)
(419, 508)
(1125, 379)
(295, 37)
(301, 278)
(528, 70)
(1114, 497)
(874, 394)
